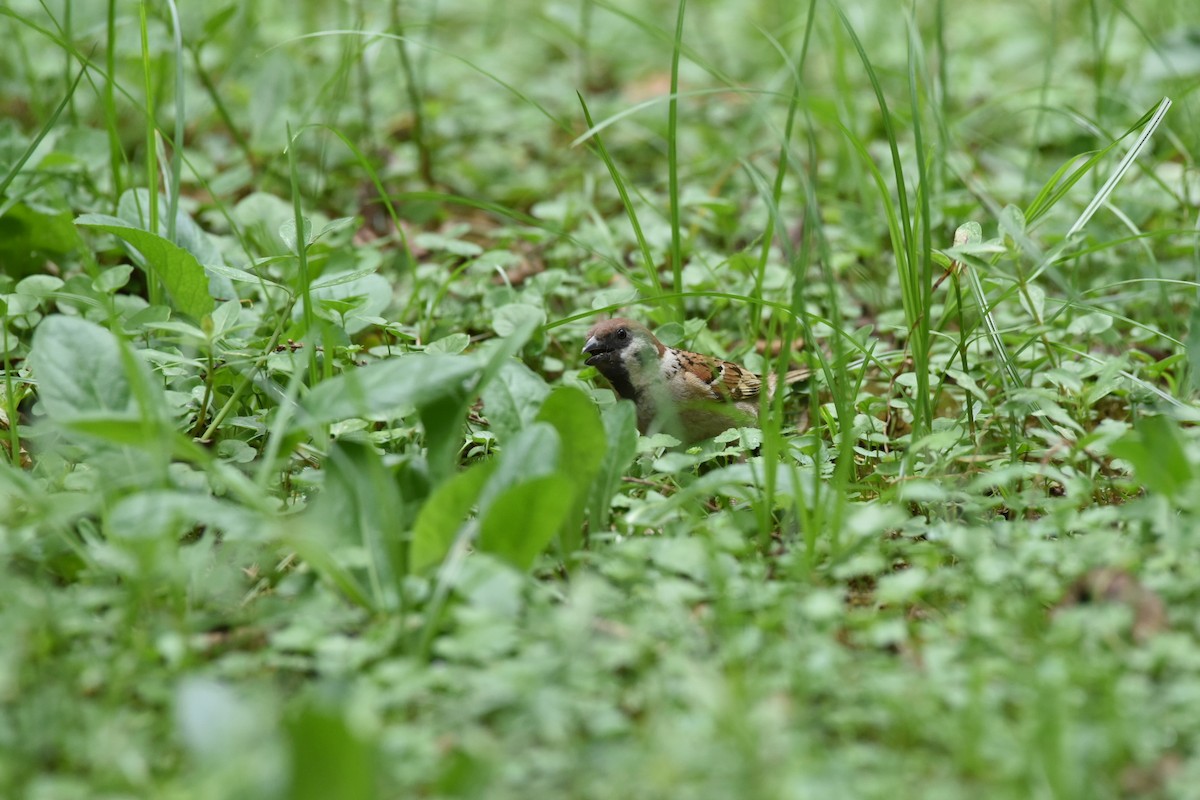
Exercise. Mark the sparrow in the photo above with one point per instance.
(687, 395)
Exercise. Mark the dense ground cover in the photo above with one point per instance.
(306, 491)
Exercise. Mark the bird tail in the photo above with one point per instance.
(794, 376)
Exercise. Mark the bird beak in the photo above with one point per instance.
(596, 352)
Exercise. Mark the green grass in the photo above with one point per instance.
(306, 492)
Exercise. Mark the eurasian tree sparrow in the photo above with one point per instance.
(687, 395)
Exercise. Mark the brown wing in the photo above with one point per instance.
(723, 380)
(742, 383)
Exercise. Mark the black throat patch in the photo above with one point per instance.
(616, 374)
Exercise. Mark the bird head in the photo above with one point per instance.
(623, 351)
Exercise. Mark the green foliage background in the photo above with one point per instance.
(305, 491)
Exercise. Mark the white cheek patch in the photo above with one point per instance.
(642, 363)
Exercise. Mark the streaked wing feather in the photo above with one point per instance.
(742, 384)
(723, 380)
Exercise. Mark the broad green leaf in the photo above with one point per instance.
(287, 232)
(261, 212)
(491, 585)
(1033, 300)
(685, 556)
(363, 296)
(512, 317)
(27, 236)
(380, 516)
(225, 317)
(581, 432)
(180, 272)
(453, 344)
(443, 513)
(154, 513)
(443, 421)
(133, 208)
(79, 370)
(533, 453)
(498, 352)
(328, 758)
(1090, 324)
(242, 276)
(608, 299)
(112, 279)
(739, 481)
(379, 389)
(574, 416)
(620, 432)
(523, 520)
(214, 723)
(511, 401)
(150, 315)
(122, 429)
(333, 226)
(1012, 221)
(1107, 381)
(189, 333)
(345, 277)
(324, 563)
(17, 305)
(672, 334)
(449, 244)
(902, 587)
(443, 424)
(359, 505)
(968, 234)
(1159, 461)
(39, 286)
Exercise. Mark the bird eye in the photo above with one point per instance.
(622, 333)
